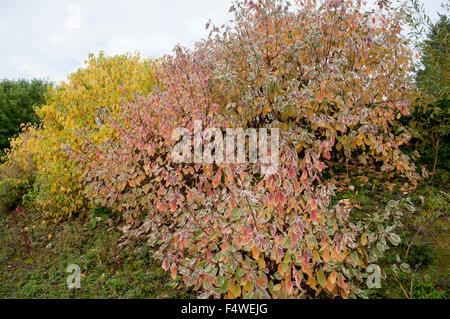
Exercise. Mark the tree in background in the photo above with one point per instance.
(434, 77)
(17, 101)
(430, 120)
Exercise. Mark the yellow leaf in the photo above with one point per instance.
(333, 277)
(326, 256)
(330, 284)
(364, 239)
(255, 253)
(311, 282)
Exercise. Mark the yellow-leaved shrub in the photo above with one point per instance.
(18, 169)
(73, 110)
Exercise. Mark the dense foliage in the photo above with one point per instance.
(18, 172)
(17, 102)
(102, 85)
(434, 75)
(336, 81)
(430, 119)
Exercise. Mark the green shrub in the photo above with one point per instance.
(430, 120)
(11, 192)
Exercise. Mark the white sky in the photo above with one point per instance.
(51, 38)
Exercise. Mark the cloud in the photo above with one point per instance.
(152, 45)
(35, 69)
(53, 38)
(73, 20)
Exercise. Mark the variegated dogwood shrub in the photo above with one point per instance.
(335, 80)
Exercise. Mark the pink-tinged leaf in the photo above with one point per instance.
(314, 215)
(313, 204)
(165, 264)
(261, 185)
(190, 196)
(297, 277)
(217, 179)
(291, 172)
(289, 286)
(163, 207)
(320, 166)
(173, 271)
(304, 179)
(280, 197)
(297, 186)
(261, 280)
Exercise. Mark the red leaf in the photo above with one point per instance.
(173, 206)
(314, 215)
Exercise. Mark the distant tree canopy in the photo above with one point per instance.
(434, 77)
(17, 98)
(431, 119)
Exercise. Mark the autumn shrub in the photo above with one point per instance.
(18, 170)
(101, 86)
(335, 80)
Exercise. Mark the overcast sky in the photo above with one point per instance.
(51, 38)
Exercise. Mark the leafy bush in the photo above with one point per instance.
(11, 192)
(73, 109)
(428, 291)
(433, 76)
(430, 119)
(430, 126)
(336, 81)
(17, 101)
(18, 170)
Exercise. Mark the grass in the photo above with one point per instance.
(107, 271)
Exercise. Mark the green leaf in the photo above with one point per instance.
(405, 268)
(394, 239)
(321, 278)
